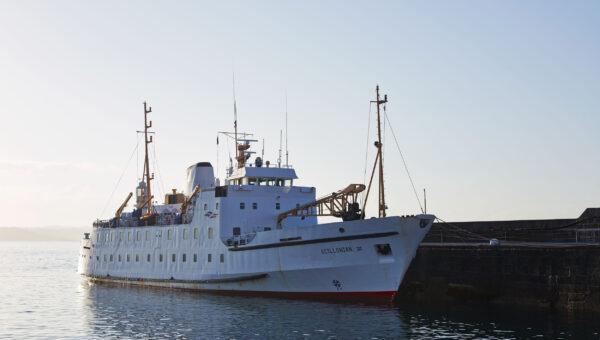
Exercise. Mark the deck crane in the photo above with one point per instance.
(120, 210)
(343, 203)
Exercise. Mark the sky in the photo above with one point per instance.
(495, 104)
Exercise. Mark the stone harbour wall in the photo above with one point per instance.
(553, 275)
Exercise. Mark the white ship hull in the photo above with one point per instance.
(335, 259)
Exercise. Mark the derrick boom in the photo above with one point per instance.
(187, 201)
(120, 210)
(343, 204)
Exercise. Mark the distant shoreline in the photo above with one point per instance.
(42, 234)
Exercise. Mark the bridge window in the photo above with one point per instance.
(222, 258)
(169, 234)
(205, 206)
(128, 258)
(236, 231)
(195, 257)
(242, 205)
(148, 258)
(120, 236)
(183, 258)
(217, 206)
(195, 233)
(137, 258)
(209, 257)
(210, 233)
(119, 257)
(147, 235)
(252, 181)
(160, 257)
(129, 236)
(254, 205)
(104, 257)
(111, 258)
(112, 237)
(173, 258)
(138, 236)
(277, 206)
(105, 237)
(185, 234)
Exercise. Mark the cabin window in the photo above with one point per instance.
(271, 182)
(160, 257)
(129, 236)
(195, 233)
(222, 258)
(97, 258)
(236, 231)
(267, 228)
(210, 233)
(242, 206)
(185, 234)
(173, 257)
(209, 257)
(119, 257)
(138, 236)
(169, 234)
(195, 257)
(148, 257)
(112, 237)
(252, 181)
(137, 258)
(105, 237)
(254, 205)
(277, 205)
(147, 235)
(262, 181)
(120, 236)
(104, 257)
(183, 258)
(205, 206)
(288, 182)
(128, 258)
(111, 258)
(217, 206)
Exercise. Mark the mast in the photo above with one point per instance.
(235, 123)
(146, 160)
(286, 133)
(378, 159)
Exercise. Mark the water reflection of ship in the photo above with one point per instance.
(257, 233)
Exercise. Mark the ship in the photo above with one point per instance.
(257, 233)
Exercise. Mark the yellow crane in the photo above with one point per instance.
(120, 210)
(187, 201)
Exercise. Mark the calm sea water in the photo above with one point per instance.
(42, 296)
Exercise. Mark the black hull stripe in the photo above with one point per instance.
(320, 240)
(211, 281)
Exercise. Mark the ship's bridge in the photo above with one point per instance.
(263, 176)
